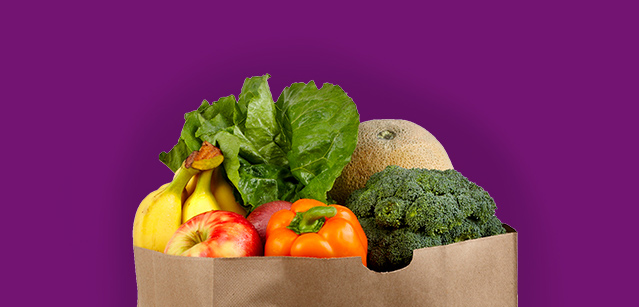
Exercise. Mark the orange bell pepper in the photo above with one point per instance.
(312, 229)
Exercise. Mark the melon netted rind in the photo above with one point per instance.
(383, 142)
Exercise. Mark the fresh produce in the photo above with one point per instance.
(312, 229)
(160, 213)
(202, 199)
(285, 150)
(223, 193)
(216, 234)
(281, 161)
(384, 142)
(262, 214)
(405, 209)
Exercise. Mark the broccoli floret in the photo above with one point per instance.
(466, 230)
(434, 214)
(405, 209)
(410, 190)
(492, 227)
(395, 250)
(485, 205)
(389, 212)
(387, 185)
(376, 233)
(363, 201)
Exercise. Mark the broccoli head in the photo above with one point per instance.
(405, 209)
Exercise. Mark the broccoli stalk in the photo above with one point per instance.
(405, 209)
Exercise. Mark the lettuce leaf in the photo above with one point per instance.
(320, 132)
(285, 150)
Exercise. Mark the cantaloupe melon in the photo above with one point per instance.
(383, 142)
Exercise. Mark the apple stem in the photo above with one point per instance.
(312, 220)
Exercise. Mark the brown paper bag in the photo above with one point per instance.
(480, 272)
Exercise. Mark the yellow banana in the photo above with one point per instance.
(202, 200)
(160, 213)
(190, 187)
(223, 193)
(185, 195)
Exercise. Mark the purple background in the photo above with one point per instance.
(535, 102)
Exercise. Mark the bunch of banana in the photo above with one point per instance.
(211, 192)
(160, 213)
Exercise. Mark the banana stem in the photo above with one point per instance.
(207, 158)
(181, 178)
(204, 181)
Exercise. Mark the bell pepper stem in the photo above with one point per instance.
(312, 220)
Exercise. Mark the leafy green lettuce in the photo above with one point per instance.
(285, 150)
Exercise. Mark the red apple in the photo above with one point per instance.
(260, 216)
(216, 234)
